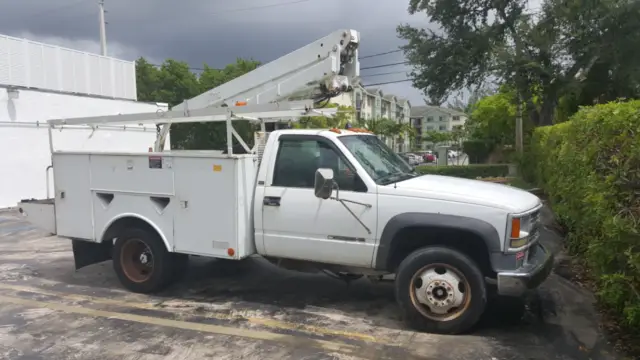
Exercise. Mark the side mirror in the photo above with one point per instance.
(323, 184)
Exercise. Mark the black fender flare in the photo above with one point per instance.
(386, 246)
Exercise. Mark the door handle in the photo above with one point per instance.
(271, 201)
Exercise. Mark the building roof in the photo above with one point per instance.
(373, 90)
(389, 97)
(403, 101)
(419, 111)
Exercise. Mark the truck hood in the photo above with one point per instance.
(465, 190)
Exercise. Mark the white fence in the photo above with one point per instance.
(32, 64)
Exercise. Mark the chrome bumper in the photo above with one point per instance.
(534, 272)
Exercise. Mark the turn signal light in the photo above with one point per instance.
(515, 228)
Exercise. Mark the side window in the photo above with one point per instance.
(298, 160)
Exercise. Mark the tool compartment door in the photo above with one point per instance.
(206, 196)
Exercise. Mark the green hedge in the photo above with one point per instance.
(466, 171)
(590, 169)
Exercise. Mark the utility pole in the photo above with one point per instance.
(519, 145)
(103, 29)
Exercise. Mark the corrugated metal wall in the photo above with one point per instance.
(37, 65)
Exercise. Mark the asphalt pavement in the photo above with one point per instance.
(253, 310)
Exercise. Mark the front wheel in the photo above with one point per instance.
(440, 290)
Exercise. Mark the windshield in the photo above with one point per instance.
(380, 162)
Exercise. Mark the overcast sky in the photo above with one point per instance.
(216, 32)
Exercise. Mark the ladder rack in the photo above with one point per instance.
(262, 114)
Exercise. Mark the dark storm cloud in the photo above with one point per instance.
(215, 32)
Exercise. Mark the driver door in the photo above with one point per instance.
(298, 225)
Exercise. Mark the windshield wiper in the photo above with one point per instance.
(396, 177)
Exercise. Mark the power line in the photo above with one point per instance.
(59, 8)
(380, 54)
(258, 7)
(388, 82)
(190, 68)
(385, 73)
(364, 68)
(384, 65)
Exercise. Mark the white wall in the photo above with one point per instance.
(24, 146)
(31, 64)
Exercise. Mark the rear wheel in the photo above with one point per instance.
(142, 262)
(440, 290)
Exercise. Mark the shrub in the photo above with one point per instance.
(590, 168)
(466, 171)
(477, 150)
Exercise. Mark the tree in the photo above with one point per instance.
(147, 81)
(173, 82)
(397, 132)
(493, 120)
(542, 55)
(340, 120)
(213, 135)
(436, 137)
(466, 105)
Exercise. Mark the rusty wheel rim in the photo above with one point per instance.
(136, 260)
(440, 292)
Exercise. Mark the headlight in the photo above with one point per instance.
(523, 230)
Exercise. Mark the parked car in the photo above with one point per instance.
(410, 158)
(430, 157)
(423, 155)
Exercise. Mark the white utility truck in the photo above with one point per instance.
(338, 201)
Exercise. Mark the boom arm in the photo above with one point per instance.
(321, 70)
(318, 71)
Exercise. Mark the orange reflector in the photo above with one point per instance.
(241, 103)
(515, 228)
(337, 131)
(360, 130)
(231, 252)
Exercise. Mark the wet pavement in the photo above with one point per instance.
(253, 310)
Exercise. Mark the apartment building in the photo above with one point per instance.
(372, 103)
(433, 118)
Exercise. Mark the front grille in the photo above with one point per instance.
(532, 252)
(535, 217)
(534, 234)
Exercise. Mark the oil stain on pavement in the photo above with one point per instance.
(253, 310)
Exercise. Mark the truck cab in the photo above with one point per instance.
(343, 199)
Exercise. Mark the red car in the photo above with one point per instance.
(429, 157)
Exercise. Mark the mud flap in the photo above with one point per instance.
(86, 253)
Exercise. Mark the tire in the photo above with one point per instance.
(137, 277)
(430, 263)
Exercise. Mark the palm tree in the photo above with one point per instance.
(388, 129)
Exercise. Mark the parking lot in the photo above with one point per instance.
(252, 310)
